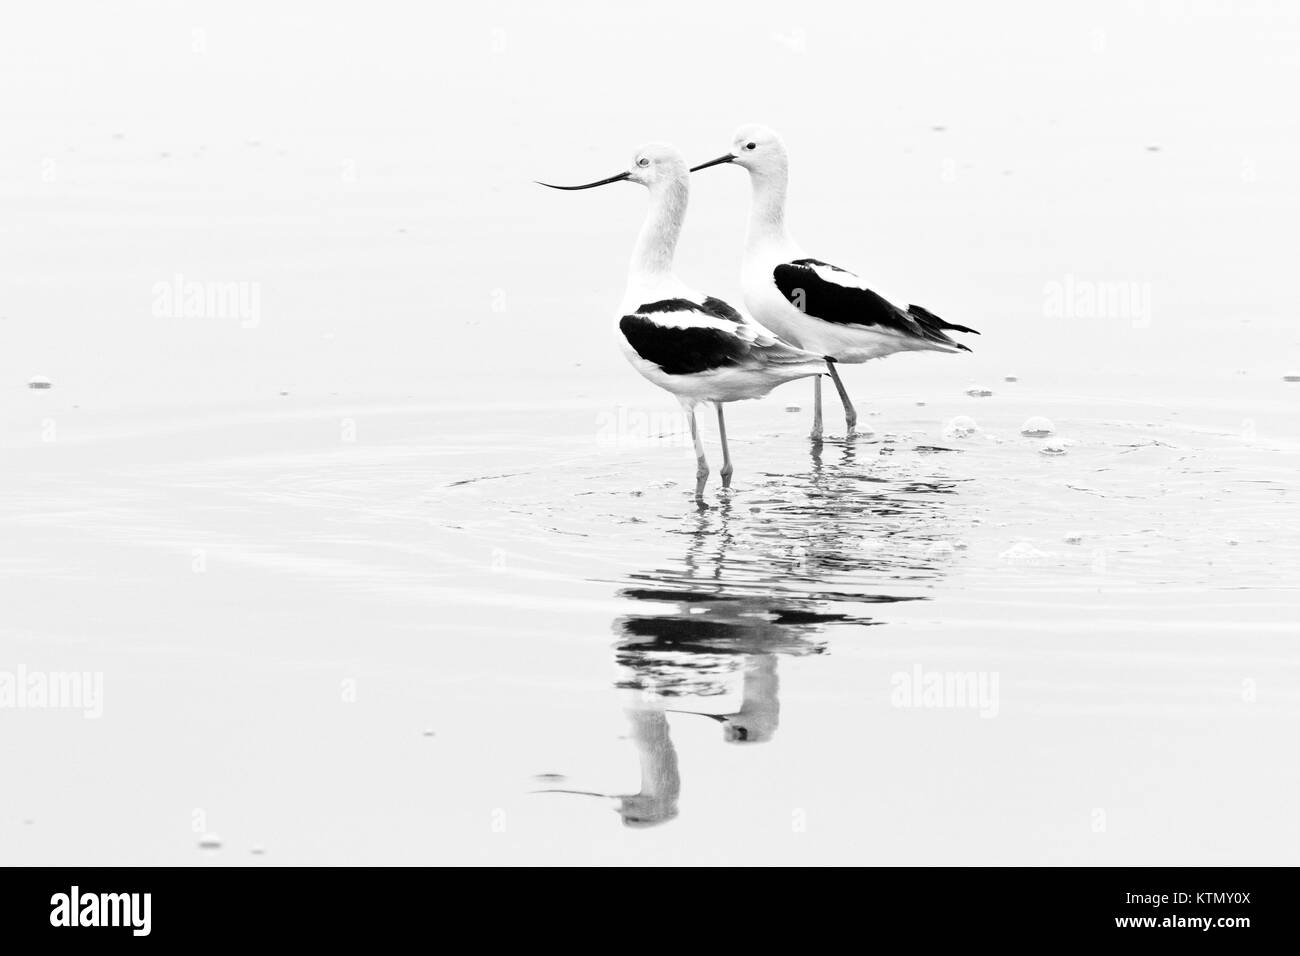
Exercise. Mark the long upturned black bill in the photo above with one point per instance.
(714, 162)
(603, 182)
(720, 718)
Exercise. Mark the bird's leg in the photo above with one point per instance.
(726, 452)
(817, 409)
(701, 465)
(850, 413)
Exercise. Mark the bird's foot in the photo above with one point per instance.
(864, 431)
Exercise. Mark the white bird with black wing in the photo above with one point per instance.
(696, 346)
(811, 303)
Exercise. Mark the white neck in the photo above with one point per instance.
(660, 777)
(652, 259)
(767, 210)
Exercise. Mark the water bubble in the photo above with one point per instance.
(1022, 552)
(39, 381)
(1037, 427)
(1053, 448)
(963, 426)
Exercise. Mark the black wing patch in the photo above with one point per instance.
(832, 302)
(720, 310)
(850, 305)
(667, 305)
(684, 351)
(930, 320)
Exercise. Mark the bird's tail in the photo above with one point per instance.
(936, 328)
(788, 361)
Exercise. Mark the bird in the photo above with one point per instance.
(661, 780)
(696, 346)
(809, 302)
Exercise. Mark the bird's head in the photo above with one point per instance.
(653, 165)
(656, 163)
(757, 148)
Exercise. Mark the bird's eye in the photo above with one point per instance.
(643, 161)
(751, 146)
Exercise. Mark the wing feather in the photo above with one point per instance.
(836, 295)
(683, 337)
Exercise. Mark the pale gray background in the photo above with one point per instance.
(368, 166)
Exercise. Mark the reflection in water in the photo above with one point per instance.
(761, 579)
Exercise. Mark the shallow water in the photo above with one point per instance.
(379, 645)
